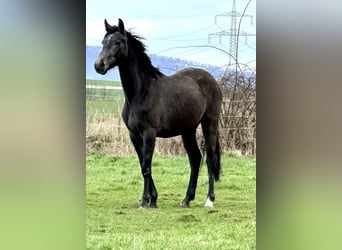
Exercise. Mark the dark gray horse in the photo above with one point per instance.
(164, 106)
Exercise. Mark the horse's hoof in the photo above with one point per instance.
(184, 204)
(209, 204)
(148, 206)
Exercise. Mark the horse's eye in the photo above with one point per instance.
(117, 42)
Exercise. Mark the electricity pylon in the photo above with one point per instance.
(233, 32)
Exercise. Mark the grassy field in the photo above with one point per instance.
(103, 103)
(103, 83)
(114, 188)
(98, 110)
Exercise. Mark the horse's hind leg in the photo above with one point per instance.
(195, 157)
(209, 127)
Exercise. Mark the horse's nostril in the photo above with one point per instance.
(99, 65)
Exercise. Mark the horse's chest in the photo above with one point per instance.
(134, 120)
(139, 119)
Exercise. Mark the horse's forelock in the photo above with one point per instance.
(112, 30)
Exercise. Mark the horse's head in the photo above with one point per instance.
(114, 47)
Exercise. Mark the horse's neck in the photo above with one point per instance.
(133, 81)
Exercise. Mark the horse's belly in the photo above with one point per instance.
(179, 125)
(164, 133)
(167, 134)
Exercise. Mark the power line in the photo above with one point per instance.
(182, 35)
(195, 46)
(178, 40)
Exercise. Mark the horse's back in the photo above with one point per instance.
(205, 82)
(200, 76)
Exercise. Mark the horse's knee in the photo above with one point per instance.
(146, 172)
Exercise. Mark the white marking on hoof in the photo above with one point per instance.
(209, 203)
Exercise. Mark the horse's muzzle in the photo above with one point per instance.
(100, 67)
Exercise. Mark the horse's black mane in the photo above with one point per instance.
(140, 51)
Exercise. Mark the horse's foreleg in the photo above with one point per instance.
(138, 146)
(195, 157)
(150, 195)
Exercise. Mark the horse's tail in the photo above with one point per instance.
(217, 165)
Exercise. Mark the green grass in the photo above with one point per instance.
(103, 83)
(114, 188)
(104, 94)
(102, 103)
(98, 110)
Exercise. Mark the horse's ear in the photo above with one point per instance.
(107, 25)
(121, 26)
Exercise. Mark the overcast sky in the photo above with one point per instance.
(171, 24)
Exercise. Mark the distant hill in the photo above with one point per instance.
(167, 65)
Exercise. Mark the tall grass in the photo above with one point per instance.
(106, 132)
